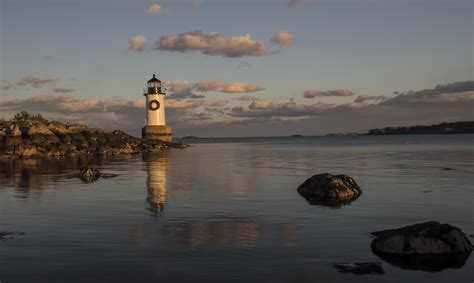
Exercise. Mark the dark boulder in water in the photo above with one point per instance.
(428, 246)
(360, 268)
(330, 190)
(89, 174)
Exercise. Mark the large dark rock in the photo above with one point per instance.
(330, 190)
(429, 246)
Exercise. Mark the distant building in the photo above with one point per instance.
(155, 125)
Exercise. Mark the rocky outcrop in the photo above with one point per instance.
(429, 246)
(36, 138)
(330, 190)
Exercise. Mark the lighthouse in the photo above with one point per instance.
(155, 124)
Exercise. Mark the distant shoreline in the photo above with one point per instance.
(316, 136)
(463, 127)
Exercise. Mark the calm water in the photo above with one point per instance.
(228, 210)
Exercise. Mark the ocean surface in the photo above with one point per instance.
(227, 210)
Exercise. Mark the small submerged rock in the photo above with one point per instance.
(89, 174)
(5, 235)
(360, 268)
(429, 246)
(330, 190)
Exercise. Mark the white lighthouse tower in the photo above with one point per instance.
(155, 125)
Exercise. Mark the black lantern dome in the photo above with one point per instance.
(154, 85)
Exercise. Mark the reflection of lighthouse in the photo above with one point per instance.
(156, 164)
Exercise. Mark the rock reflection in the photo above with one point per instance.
(157, 165)
(228, 232)
(27, 175)
(327, 203)
(428, 262)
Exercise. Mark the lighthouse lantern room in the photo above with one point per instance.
(155, 125)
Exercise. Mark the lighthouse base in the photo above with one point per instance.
(162, 133)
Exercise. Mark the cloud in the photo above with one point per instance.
(154, 9)
(455, 87)
(180, 89)
(448, 94)
(137, 43)
(247, 98)
(268, 108)
(212, 44)
(227, 87)
(317, 93)
(195, 103)
(264, 104)
(64, 90)
(68, 103)
(5, 85)
(36, 81)
(364, 98)
(300, 2)
(185, 89)
(196, 3)
(217, 110)
(283, 38)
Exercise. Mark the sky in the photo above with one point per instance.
(240, 68)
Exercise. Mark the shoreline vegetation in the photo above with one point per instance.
(29, 136)
(463, 127)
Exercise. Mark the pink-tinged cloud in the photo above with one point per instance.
(247, 98)
(227, 87)
(36, 82)
(5, 85)
(300, 2)
(64, 90)
(318, 93)
(455, 93)
(283, 38)
(153, 9)
(212, 44)
(195, 103)
(196, 3)
(185, 89)
(364, 98)
(268, 108)
(137, 43)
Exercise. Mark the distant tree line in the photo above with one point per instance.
(466, 127)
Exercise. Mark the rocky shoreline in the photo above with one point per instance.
(33, 136)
